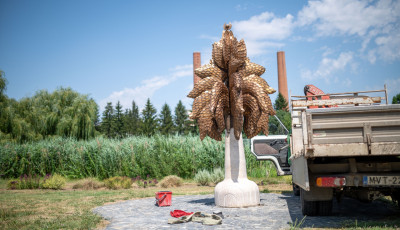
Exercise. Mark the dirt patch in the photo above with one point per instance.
(102, 225)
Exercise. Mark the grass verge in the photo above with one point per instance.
(69, 208)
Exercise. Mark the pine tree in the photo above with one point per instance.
(281, 103)
(166, 123)
(118, 120)
(149, 117)
(396, 99)
(132, 120)
(181, 118)
(107, 124)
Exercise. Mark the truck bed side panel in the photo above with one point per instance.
(353, 131)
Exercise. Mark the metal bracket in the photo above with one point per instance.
(367, 136)
(309, 132)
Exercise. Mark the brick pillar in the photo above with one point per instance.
(196, 64)
(282, 79)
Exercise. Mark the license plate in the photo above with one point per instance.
(382, 180)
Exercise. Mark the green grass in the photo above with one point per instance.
(157, 156)
(41, 209)
(388, 223)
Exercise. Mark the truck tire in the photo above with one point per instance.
(396, 197)
(308, 208)
(296, 189)
(325, 208)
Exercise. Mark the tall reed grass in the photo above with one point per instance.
(157, 156)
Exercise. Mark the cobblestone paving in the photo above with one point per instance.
(277, 211)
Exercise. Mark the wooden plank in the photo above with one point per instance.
(333, 102)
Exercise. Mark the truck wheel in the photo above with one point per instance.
(296, 189)
(396, 197)
(325, 208)
(308, 208)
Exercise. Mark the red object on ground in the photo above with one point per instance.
(163, 198)
(179, 213)
(311, 90)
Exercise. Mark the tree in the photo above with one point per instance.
(275, 127)
(396, 99)
(132, 120)
(3, 86)
(149, 118)
(281, 103)
(63, 112)
(181, 118)
(107, 124)
(166, 123)
(118, 120)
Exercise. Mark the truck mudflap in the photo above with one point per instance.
(300, 176)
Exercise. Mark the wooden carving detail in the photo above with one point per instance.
(231, 92)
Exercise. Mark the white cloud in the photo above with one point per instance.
(327, 67)
(389, 46)
(330, 17)
(147, 88)
(376, 21)
(263, 31)
(393, 86)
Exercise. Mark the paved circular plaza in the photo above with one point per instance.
(276, 211)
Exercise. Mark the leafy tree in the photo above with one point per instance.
(181, 118)
(107, 124)
(275, 127)
(166, 123)
(281, 103)
(396, 99)
(97, 123)
(5, 119)
(3, 86)
(63, 112)
(149, 125)
(118, 120)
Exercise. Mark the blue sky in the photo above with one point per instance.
(134, 50)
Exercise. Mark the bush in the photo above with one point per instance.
(26, 182)
(203, 177)
(171, 181)
(88, 184)
(54, 182)
(118, 182)
(217, 175)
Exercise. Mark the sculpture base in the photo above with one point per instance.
(237, 194)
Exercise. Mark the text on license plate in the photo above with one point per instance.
(381, 180)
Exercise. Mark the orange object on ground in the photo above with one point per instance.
(163, 198)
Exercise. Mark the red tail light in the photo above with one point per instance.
(331, 181)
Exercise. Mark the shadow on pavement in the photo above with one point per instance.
(206, 201)
(347, 212)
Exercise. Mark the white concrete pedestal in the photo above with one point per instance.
(236, 190)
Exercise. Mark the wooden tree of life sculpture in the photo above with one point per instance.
(232, 96)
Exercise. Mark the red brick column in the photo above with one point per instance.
(282, 79)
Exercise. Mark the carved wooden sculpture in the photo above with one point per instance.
(231, 92)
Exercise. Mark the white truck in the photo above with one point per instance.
(351, 147)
